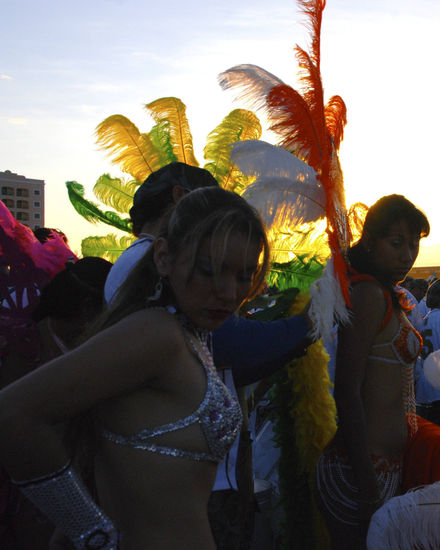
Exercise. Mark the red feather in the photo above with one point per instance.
(292, 120)
(313, 10)
(335, 113)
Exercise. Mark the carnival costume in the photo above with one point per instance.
(218, 414)
(26, 266)
(334, 475)
(62, 496)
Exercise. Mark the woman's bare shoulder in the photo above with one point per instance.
(369, 307)
(369, 295)
(153, 323)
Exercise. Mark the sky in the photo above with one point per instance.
(66, 66)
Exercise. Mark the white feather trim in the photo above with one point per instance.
(254, 82)
(407, 522)
(327, 305)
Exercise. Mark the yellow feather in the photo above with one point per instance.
(132, 151)
(173, 111)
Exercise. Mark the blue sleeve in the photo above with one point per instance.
(256, 349)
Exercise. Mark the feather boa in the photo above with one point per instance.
(51, 256)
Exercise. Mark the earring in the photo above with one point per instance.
(157, 291)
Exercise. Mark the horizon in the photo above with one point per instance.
(65, 68)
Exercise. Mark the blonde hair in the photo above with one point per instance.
(210, 212)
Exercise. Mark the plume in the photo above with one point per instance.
(312, 131)
(253, 82)
(115, 192)
(173, 111)
(109, 247)
(299, 272)
(161, 139)
(239, 124)
(127, 147)
(335, 113)
(90, 211)
(286, 189)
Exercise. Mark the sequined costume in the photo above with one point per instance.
(218, 414)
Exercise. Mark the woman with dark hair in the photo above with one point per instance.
(67, 305)
(163, 418)
(152, 201)
(374, 385)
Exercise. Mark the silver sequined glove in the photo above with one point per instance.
(64, 499)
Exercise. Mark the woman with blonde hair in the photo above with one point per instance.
(163, 420)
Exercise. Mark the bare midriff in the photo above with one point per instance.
(156, 501)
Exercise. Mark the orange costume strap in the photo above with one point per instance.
(355, 277)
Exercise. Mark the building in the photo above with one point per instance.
(24, 197)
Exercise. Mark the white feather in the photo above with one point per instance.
(259, 158)
(254, 82)
(327, 305)
(407, 522)
(282, 201)
(286, 189)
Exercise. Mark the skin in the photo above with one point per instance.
(368, 392)
(152, 379)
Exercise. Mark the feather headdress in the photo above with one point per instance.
(312, 131)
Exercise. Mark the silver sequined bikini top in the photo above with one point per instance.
(219, 415)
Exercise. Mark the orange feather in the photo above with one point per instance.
(335, 113)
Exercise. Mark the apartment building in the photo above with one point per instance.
(24, 197)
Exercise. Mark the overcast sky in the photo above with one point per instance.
(65, 66)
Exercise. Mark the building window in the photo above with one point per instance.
(22, 204)
(37, 204)
(7, 191)
(22, 192)
(9, 203)
(37, 216)
(22, 216)
(36, 191)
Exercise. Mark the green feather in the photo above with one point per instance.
(299, 273)
(115, 192)
(161, 139)
(173, 111)
(238, 125)
(90, 211)
(109, 247)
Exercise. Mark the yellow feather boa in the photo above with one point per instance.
(313, 410)
(313, 407)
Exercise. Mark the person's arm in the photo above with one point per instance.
(354, 346)
(116, 361)
(256, 349)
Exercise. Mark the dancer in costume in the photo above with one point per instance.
(374, 384)
(250, 349)
(163, 418)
